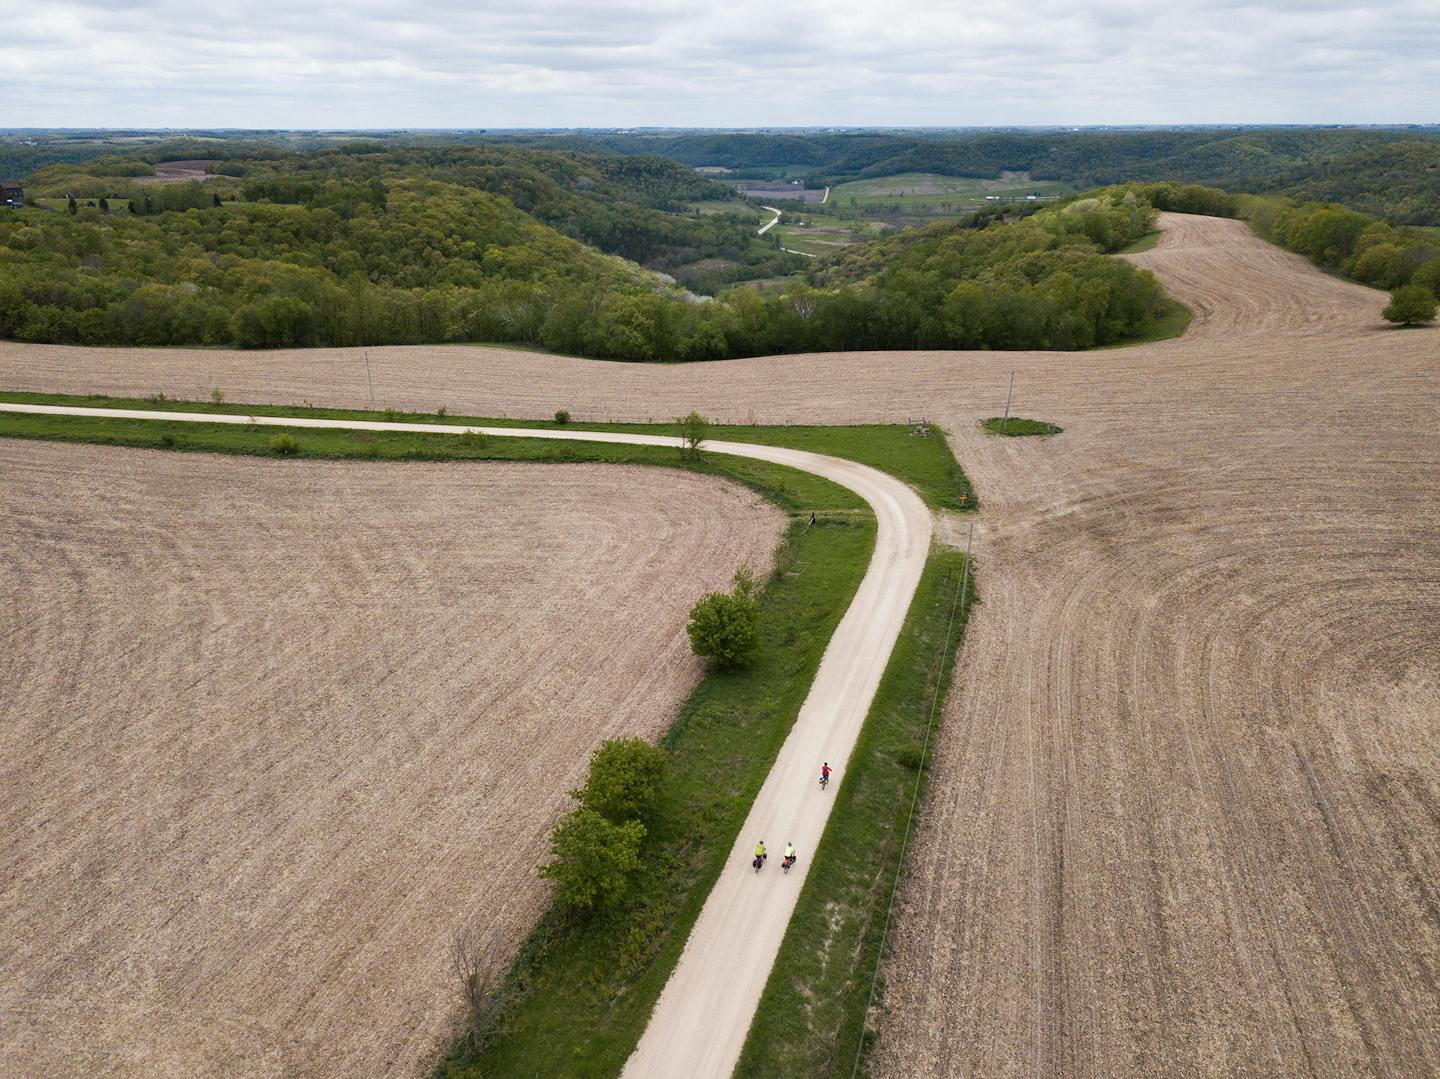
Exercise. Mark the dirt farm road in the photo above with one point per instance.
(704, 1013)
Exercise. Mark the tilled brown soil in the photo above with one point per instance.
(272, 730)
(1185, 812)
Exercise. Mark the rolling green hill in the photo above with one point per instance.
(1399, 181)
(358, 263)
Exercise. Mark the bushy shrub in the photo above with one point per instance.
(725, 626)
(562, 415)
(1410, 305)
(911, 756)
(284, 445)
(624, 779)
(593, 859)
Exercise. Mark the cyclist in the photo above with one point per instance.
(825, 774)
(789, 854)
(760, 850)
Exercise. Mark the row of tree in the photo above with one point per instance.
(1348, 242)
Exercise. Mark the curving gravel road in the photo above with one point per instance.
(701, 1020)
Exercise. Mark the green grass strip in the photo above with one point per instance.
(1020, 427)
(579, 996)
(918, 455)
(1145, 243)
(791, 489)
(1168, 326)
(812, 1015)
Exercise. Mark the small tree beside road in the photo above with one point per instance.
(693, 429)
(624, 780)
(725, 626)
(594, 859)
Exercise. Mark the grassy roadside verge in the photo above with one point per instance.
(580, 994)
(924, 462)
(812, 1015)
(790, 489)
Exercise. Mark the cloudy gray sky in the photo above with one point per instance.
(602, 63)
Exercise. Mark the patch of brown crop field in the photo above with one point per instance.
(1184, 817)
(272, 730)
(178, 172)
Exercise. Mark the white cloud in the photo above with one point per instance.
(365, 63)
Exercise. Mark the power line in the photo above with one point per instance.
(914, 799)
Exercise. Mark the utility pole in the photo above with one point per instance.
(370, 382)
(1005, 423)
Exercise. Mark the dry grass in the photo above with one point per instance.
(273, 731)
(1185, 815)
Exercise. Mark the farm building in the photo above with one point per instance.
(12, 195)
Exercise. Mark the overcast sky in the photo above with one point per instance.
(600, 63)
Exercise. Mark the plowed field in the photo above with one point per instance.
(1185, 812)
(272, 730)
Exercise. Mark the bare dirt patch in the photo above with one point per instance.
(273, 729)
(1185, 813)
(178, 172)
(793, 192)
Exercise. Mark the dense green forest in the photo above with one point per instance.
(348, 247)
(357, 263)
(1399, 181)
(1389, 172)
(370, 241)
(1337, 238)
(1376, 170)
(634, 207)
(1041, 282)
(1237, 158)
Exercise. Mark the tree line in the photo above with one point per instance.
(420, 261)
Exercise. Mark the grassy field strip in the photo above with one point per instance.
(812, 1018)
(705, 1012)
(923, 462)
